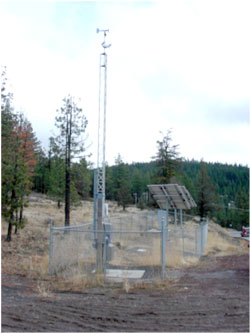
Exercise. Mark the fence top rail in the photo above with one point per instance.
(72, 226)
(77, 226)
(155, 231)
(116, 232)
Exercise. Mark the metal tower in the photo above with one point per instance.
(99, 190)
(102, 119)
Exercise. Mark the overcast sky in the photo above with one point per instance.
(172, 64)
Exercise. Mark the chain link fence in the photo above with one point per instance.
(134, 246)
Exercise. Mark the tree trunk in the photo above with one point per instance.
(16, 221)
(202, 211)
(8, 238)
(12, 211)
(67, 173)
(67, 198)
(20, 215)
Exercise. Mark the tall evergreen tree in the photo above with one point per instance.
(72, 124)
(167, 160)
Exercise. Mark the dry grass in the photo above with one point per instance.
(126, 285)
(77, 282)
(220, 243)
(44, 289)
(27, 253)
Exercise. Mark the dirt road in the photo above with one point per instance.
(212, 297)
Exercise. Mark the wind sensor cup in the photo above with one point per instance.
(104, 45)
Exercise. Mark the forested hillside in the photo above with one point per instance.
(230, 183)
(228, 179)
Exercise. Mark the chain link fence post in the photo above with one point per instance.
(202, 226)
(50, 247)
(182, 232)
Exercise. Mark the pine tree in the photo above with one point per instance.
(72, 124)
(167, 160)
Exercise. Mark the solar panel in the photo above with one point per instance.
(178, 196)
(188, 195)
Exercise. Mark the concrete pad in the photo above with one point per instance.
(153, 230)
(124, 273)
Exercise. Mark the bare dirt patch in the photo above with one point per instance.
(211, 297)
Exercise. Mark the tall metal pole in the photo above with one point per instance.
(101, 162)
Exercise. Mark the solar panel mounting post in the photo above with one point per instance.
(175, 218)
(164, 228)
(181, 218)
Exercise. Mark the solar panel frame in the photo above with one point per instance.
(178, 196)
